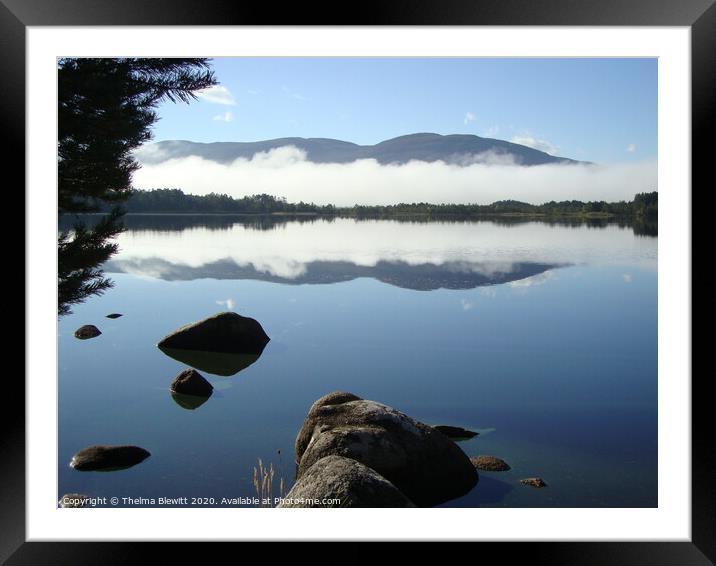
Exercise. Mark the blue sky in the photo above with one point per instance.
(600, 110)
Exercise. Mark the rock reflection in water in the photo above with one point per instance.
(216, 363)
(189, 402)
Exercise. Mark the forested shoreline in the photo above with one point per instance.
(644, 207)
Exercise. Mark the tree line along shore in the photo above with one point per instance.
(644, 207)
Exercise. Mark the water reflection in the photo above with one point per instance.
(420, 277)
(81, 251)
(417, 253)
(216, 363)
(224, 222)
(214, 222)
(189, 402)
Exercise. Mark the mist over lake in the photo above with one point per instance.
(461, 178)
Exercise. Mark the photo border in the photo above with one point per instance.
(700, 15)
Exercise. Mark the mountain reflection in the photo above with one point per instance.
(420, 277)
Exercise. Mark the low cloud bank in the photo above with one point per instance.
(480, 179)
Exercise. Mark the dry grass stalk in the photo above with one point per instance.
(263, 478)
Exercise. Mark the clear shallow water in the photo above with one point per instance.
(542, 337)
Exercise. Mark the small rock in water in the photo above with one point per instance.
(489, 463)
(456, 432)
(191, 382)
(534, 482)
(114, 315)
(87, 331)
(108, 458)
(73, 500)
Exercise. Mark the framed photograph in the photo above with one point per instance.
(407, 264)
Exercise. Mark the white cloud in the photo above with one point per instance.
(469, 117)
(254, 91)
(531, 141)
(218, 94)
(491, 132)
(225, 117)
(466, 305)
(230, 304)
(286, 172)
(627, 278)
(534, 280)
(631, 148)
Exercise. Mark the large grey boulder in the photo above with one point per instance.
(421, 462)
(227, 332)
(335, 481)
(306, 432)
(108, 458)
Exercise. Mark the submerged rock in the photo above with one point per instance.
(114, 315)
(87, 331)
(73, 500)
(226, 332)
(421, 462)
(108, 458)
(490, 463)
(534, 482)
(456, 432)
(347, 483)
(191, 382)
(216, 363)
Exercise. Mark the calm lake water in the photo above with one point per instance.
(541, 337)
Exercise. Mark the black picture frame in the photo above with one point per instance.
(699, 15)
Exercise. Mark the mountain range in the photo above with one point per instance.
(459, 149)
